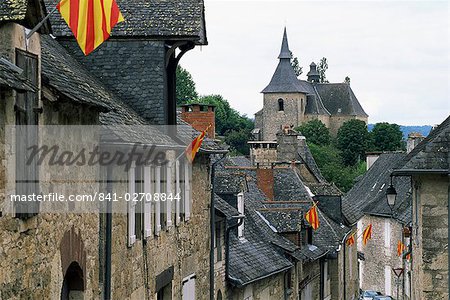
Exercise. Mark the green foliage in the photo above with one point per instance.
(229, 123)
(185, 86)
(315, 132)
(237, 139)
(322, 68)
(353, 140)
(329, 161)
(296, 65)
(386, 137)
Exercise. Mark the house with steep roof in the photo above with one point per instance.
(276, 254)
(428, 166)
(365, 204)
(289, 101)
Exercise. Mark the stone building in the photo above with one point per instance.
(150, 250)
(365, 204)
(289, 101)
(428, 166)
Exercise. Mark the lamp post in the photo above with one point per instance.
(391, 195)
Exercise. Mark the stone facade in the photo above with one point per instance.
(33, 251)
(381, 256)
(430, 237)
(274, 118)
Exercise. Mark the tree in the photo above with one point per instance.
(386, 137)
(329, 161)
(296, 66)
(234, 127)
(322, 68)
(353, 139)
(237, 139)
(185, 86)
(315, 132)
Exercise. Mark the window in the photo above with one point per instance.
(163, 191)
(131, 205)
(169, 194)
(178, 185)
(188, 291)
(148, 188)
(139, 188)
(240, 206)
(280, 104)
(157, 191)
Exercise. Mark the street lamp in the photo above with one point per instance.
(391, 195)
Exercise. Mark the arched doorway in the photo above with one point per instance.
(73, 284)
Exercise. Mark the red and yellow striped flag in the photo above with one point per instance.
(312, 217)
(351, 240)
(91, 21)
(367, 234)
(400, 248)
(194, 146)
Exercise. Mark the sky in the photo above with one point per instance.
(397, 53)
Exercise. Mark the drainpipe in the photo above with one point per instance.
(108, 238)
(212, 226)
(345, 272)
(448, 234)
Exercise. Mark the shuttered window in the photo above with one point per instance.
(27, 118)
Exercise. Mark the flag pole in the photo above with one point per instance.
(39, 25)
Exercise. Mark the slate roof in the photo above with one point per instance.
(273, 217)
(13, 10)
(225, 208)
(339, 99)
(314, 105)
(27, 12)
(68, 77)
(368, 196)
(288, 220)
(11, 78)
(306, 156)
(430, 154)
(288, 187)
(158, 19)
(253, 257)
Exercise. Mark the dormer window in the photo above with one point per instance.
(280, 104)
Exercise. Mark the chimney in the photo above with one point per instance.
(264, 176)
(371, 157)
(414, 138)
(313, 74)
(240, 207)
(200, 116)
(288, 145)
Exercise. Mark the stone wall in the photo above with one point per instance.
(184, 247)
(273, 119)
(430, 237)
(33, 252)
(268, 288)
(380, 255)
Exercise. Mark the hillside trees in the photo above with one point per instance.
(386, 137)
(353, 140)
(185, 88)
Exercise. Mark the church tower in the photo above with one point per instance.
(284, 97)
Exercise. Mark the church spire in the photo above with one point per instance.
(285, 53)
